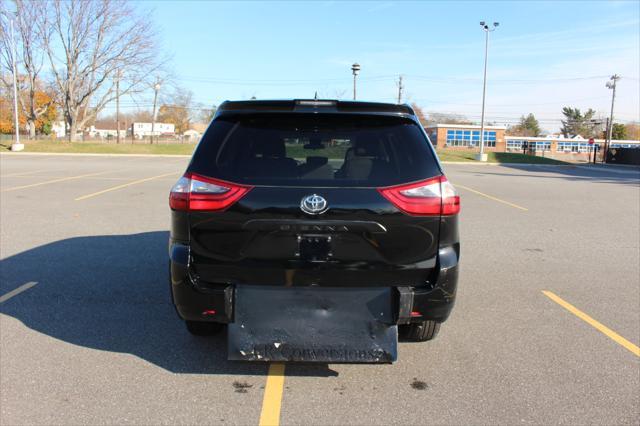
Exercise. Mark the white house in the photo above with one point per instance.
(141, 130)
(191, 135)
(59, 128)
(106, 132)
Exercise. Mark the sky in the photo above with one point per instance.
(543, 56)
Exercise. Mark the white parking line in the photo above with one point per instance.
(17, 291)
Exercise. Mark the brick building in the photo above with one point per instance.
(467, 137)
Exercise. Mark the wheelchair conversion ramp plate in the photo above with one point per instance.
(313, 324)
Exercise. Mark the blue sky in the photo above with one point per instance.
(544, 55)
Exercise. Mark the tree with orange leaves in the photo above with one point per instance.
(33, 102)
(42, 102)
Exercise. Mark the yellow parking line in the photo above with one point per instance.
(90, 178)
(124, 185)
(23, 173)
(595, 324)
(270, 415)
(86, 178)
(491, 197)
(17, 291)
(15, 188)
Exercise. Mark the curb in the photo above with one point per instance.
(89, 154)
(605, 169)
(472, 163)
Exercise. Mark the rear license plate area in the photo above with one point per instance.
(313, 324)
(314, 248)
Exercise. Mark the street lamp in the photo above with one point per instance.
(355, 68)
(487, 29)
(156, 87)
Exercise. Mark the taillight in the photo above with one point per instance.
(431, 197)
(450, 197)
(194, 192)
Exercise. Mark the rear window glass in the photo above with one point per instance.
(314, 150)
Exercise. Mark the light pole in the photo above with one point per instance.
(355, 68)
(487, 29)
(16, 145)
(611, 84)
(156, 87)
(118, 106)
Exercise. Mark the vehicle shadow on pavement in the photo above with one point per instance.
(111, 293)
(580, 172)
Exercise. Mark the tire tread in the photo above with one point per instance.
(422, 331)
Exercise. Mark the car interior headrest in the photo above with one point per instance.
(317, 161)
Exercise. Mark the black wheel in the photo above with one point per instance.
(200, 328)
(420, 331)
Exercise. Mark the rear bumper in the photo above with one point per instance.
(215, 303)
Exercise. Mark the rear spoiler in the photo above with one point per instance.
(316, 105)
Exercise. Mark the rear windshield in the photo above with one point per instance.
(314, 150)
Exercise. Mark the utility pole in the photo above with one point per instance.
(482, 156)
(16, 146)
(605, 148)
(400, 87)
(355, 68)
(118, 106)
(611, 84)
(156, 87)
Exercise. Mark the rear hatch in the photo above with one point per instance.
(312, 199)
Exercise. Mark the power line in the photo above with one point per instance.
(504, 80)
(378, 78)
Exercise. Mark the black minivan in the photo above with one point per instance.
(307, 204)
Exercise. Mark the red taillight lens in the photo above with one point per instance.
(179, 196)
(450, 197)
(194, 192)
(430, 197)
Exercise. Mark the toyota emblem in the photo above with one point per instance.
(314, 204)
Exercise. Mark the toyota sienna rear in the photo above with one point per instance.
(316, 230)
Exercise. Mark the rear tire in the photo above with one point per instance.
(421, 331)
(201, 328)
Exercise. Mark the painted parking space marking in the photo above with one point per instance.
(272, 400)
(124, 185)
(19, 174)
(595, 324)
(491, 197)
(105, 178)
(47, 182)
(17, 291)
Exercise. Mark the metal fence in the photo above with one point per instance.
(161, 140)
(624, 156)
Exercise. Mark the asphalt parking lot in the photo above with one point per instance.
(88, 333)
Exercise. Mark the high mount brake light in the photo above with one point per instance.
(194, 192)
(315, 103)
(431, 197)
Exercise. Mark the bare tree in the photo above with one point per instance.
(449, 118)
(29, 60)
(206, 114)
(86, 42)
(179, 109)
(419, 113)
(339, 93)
